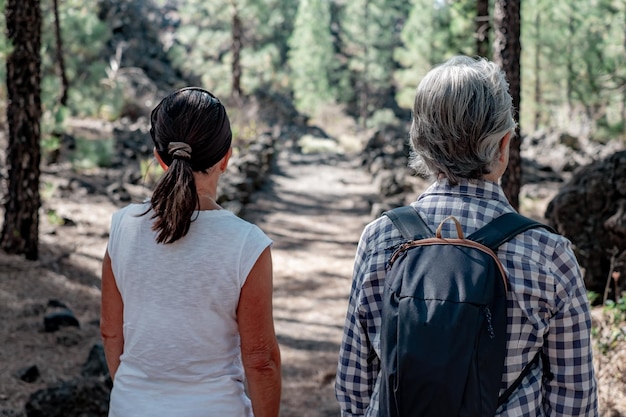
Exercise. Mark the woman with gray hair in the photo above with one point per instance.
(460, 133)
(463, 119)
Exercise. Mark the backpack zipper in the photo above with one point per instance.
(492, 335)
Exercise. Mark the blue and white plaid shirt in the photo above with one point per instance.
(547, 308)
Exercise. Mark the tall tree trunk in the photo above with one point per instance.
(20, 231)
(538, 97)
(507, 52)
(623, 85)
(236, 49)
(364, 91)
(482, 28)
(569, 88)
(65, 85)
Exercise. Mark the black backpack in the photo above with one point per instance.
(444, 320)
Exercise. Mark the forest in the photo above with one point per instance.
(80, 79)
(364, 56)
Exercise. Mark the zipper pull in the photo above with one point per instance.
(489, 324)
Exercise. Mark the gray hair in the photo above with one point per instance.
(462, 110)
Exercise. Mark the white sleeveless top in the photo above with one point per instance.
(181, 343)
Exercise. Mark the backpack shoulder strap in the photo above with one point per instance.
(492, 235)
(409, 222)
(504, 228)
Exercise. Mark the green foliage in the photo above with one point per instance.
(592, 296)
(47, 190)
(54, 218)
(311, 57)
(150, 170)
(361, 54)
(204, 39)
(52, 124)
(611, 333)
(382, 118)
(370, 30)
(434, 32)
(310, 144)
(92, 153)
(245, 131)
(50, 144)
(84, 37)
(581, 53)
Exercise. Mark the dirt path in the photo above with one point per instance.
(314, 209)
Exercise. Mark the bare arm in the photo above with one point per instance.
(111, 317)
(259, 347)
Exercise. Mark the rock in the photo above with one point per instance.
(564, 152)
(117, 192)
(96, 364)
(570, 141)
(81, 397)
(58, 315)
(28, 374)
(590, 210)
(69, 336)
(388, 184)
(378, 208)
(536, 173)
(9, 413)
(32, 310)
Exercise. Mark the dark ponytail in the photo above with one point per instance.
(191, 132)
(174, 200)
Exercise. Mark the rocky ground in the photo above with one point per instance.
(314, 207)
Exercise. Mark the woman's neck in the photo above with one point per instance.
(207, 202)
(206, 187)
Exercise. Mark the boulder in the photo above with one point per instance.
(28, 374)
(81, 397)
(96, 364)
(590, 210)
(58, 315)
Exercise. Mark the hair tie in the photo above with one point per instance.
(179, 150)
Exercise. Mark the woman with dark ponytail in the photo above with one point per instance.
(187, 286)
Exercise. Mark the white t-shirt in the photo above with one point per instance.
(181, 342)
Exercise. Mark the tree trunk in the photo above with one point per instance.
(624, 87)
(236, 49)
(569, 86)
(365, 80)
(482, 28)
(538, 96)
(60, 61)
(506, 53)
(20, 231)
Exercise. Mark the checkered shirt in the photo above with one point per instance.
(547, 308)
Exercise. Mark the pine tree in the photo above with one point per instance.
(234, 46)
(435, 31)
(584, 48)
(311, 56)
(370, 32)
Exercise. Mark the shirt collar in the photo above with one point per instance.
(482, 189)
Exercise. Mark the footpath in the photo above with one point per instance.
(314, 208)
